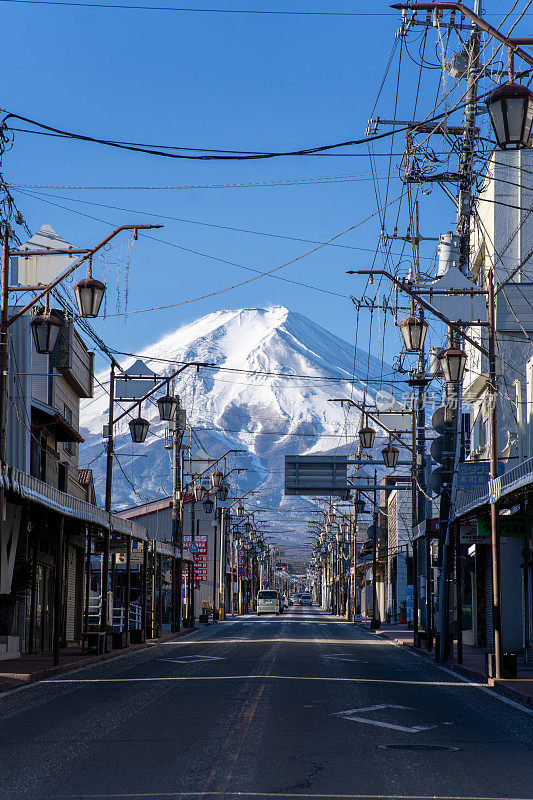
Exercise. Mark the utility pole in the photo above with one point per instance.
(108, 495)
(4, 364)
(375, 610)
(453, 391)
(177, 532)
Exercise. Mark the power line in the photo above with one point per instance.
(256, 12)
(186, 10)
(213, 155)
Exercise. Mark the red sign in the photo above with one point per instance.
(200, 558)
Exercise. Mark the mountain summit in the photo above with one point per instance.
(267, 392)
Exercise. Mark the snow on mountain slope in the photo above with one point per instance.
(251, 399)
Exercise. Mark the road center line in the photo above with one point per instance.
(263, 677)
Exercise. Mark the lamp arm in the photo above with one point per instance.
(88, 255)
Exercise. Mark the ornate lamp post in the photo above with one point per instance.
(367, 436)
(413, 333)
(139, 428)
(45, 327)
(390, 456)
(510, 108)
(453, 362)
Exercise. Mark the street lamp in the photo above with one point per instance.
(45, 327)
(390, 455)
(198, 492)
(366, 437)
(359, 506)
(240, 510)
(217, 479)
(208, 504)
(247, 527)
(139, 428)
(223, 491)
(453, 363)
(510, 109)
(166, 406)
(89, 294)
(413, 333)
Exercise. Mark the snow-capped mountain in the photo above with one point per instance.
(274, 372)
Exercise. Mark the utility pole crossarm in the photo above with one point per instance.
(403, 286)
(511, 43)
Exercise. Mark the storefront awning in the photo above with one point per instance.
(49, 417)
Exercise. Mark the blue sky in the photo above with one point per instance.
(250, 82)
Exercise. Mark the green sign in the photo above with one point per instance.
(509, 525)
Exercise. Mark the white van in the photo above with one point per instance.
(268, 602)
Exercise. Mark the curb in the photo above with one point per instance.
(478, 677)
(24, 679)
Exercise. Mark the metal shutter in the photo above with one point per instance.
(487, 577)
(70, 623)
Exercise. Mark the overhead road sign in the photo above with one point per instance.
(317, 475)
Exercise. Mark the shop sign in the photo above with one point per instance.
(115, 545)
(509, 525)
(136, 557)
(199, 555)
(473, 475)
(409, 597)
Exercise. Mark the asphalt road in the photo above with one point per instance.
(298, 706)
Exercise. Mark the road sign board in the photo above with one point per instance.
(316, 475)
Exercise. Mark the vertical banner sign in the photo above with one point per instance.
(200, 558)
(241, 561)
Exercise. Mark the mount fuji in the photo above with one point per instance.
(267, 393)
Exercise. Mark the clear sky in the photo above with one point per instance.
(227, 81)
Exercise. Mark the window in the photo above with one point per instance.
(67, 413)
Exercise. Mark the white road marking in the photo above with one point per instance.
(352, 716)
(344, 657)
(192, 659)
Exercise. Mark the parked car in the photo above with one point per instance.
(305, 600)
(269, 602)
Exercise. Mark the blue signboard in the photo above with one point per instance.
(193, 548)
(475, 474)
(409, 602)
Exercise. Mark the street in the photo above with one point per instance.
(303, 705)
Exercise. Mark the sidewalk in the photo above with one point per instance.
(472, 666)
(26, 669)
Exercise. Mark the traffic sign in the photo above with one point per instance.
(193, 548)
